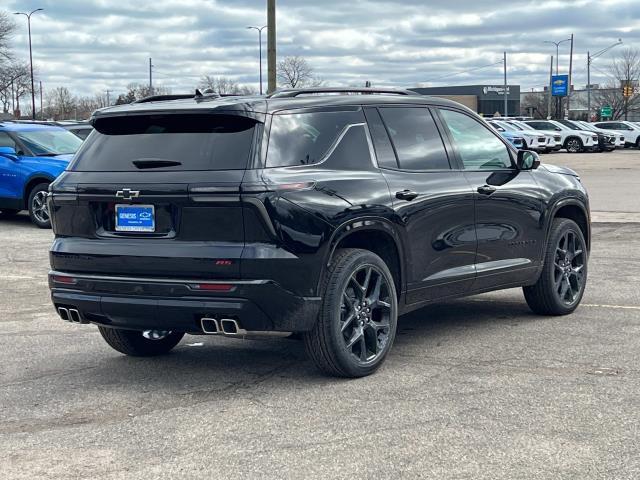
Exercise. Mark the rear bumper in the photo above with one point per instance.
(176, 304)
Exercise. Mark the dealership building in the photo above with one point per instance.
(487, 100)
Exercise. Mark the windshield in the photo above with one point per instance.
(572, 125)
(561, 126)
(587, 126)
(520, 126)
(50, 141)
(506, 126)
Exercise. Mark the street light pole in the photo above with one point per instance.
(557, 44)
(33, 92)
(259, 29)
(590, 59)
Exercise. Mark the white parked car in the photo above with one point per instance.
(573, 141)
(617, 139)
(532, 140)
(631, 130)
(554, 140)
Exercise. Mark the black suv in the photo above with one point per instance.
(326, 213)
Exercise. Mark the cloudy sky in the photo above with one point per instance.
(93, 45)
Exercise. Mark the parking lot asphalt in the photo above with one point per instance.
(474, 388)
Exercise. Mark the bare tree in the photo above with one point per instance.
(625, 69)
(295, 72)
(535, 104)
(7, 27)
(138, 91)
(60, 103)
(225, 86)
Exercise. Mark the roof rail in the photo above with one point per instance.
(292, 93)
(159, 98)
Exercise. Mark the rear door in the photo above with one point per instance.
(433, 202)
(155, 195)
(509, 203)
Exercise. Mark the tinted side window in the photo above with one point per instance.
(384, 151)
(416, 138)
(478, 147)
(306, 138)
(7, 141)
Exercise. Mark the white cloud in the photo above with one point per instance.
(98, 44)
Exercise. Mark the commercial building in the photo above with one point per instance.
(487, 100)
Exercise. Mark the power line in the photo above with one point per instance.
(465, 71)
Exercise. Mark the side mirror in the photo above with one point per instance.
(9, 152)
(558, 129)
(527, 160)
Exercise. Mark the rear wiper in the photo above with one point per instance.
(155, 163)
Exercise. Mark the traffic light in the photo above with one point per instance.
(627, 91)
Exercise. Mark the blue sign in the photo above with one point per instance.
(559, 85)
(135, 218)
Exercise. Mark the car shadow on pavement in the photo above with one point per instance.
(220, 362)
(16, 220)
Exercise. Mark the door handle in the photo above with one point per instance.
(486, 189)
(406, 195)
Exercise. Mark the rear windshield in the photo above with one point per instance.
(167, 142)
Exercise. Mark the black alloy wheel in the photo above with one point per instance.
(358, 318)
(569, 267)
(562, 282)
(365, 315)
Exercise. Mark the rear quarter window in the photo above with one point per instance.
(171, 142)
(306, 138)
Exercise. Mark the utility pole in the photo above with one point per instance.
(150, 77)
(506, 96)
(41, 110)
(108, 99)
(33, 93)
(570, 79)
(271, 45)
(550, 87)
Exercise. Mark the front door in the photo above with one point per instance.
(509, 204)
(433, 203)
(10, 185)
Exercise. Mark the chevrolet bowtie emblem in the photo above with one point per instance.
(127, 194)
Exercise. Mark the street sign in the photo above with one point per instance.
(606, 111)
(559, 85)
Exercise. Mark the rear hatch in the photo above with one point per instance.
(155, 195)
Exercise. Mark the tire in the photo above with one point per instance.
(133, 343)
(352, 322)
(38, 210)
(546, 297)
(8, 212)
(573, 145)
(638, 143)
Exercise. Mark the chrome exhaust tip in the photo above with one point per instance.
(74, 316)
(231, 327)
(64, 314)
(210, 326)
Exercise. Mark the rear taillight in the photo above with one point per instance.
(64, 280)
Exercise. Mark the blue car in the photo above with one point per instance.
(512, 137)
(31, 157)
